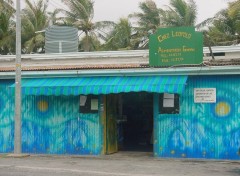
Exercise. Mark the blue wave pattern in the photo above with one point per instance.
(50, 125)
(202, 130)
(53, 125)
(6, 117)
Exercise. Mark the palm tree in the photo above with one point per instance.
(148, 21)
(7, 27)
(234, 13)
(120, 37)
(7, 34)
(223, 30)
(53, 19)
(224, 27)
(234, 9)
(180, 13)
(35, 18)
(80, 15)
(6, 6)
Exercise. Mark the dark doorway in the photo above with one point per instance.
(136, 130)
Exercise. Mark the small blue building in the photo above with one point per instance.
(105, 102)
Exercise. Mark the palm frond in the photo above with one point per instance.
(179, 13)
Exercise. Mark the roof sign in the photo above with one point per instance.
(176, 46)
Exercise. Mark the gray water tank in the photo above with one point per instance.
(61, 39)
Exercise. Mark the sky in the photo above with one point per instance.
(113, 10)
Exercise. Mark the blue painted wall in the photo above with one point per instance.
(210, 130)
(6, 117)
(50, 125)
(53, 125)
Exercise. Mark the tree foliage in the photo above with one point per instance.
(148, 21)
(6, 6)
(224, 27)
(80, 15)
(128, 33)
(34, 19)
(7, 27)
(120, 37)
(180, 13)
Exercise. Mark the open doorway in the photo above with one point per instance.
(135, 128)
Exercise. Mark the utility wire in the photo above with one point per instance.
(57, 4)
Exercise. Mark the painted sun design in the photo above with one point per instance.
(42, 106)
(222, 109)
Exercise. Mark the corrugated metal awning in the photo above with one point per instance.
(103, 85)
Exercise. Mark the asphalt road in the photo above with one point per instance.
(121, 164)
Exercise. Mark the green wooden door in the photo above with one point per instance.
(111, 124)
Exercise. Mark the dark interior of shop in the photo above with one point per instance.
(136, 128)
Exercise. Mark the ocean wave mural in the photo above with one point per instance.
(202, 130)
(50, 125)
(6, 117)
(53, 125)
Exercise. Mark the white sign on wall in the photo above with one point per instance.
(204, 95)
(168, 100)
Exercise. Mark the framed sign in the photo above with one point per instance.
(205, 95)
(175, 46)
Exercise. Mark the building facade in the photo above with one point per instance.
(95, 109)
